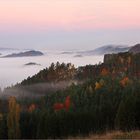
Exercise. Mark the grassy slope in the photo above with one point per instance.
(113, 135)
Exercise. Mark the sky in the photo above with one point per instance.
(68, 24)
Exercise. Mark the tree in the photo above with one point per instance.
(124, 81)
(3, 127)
(104, 72)
(67, 103)
(13, 119)
(31, 108)
(126, 114)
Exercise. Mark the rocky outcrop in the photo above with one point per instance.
(109, 57)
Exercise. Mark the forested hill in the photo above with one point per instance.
(114, 64)
(55, 73)
(60, 76)
(108, 99)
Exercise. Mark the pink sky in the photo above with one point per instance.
(69, 14)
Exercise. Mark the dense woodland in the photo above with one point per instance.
(108, 98)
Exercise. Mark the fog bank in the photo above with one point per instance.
(13, 70)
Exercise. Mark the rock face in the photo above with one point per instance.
(109, 57)
(123, 58)
(135, 49)
(25, 54)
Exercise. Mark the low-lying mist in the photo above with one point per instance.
(36, 90)
(13, 70)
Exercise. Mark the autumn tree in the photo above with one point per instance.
(104, 72)
(31, 108)
(99, 84)
(13, 119)
(125, 81)
(58, 106)
(67, 103)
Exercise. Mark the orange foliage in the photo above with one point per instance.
(32, 107)
(124, 81)
(97, 85)
(67, 103)
(58, 106)
(104, 72)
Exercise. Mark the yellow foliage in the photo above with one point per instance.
(13, 119)
(97, 85)
(12, 103)
(121, 60)
(90, 89)
(129, 60)
(101, 82)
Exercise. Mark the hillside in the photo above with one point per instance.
(60, 76)
(114, 63)
(135, 49)
(63, 101)
(118, 135)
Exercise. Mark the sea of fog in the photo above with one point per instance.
(13, 70)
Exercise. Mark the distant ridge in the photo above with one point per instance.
(25, 54)
(5, 49)
(108, 49)
(31, 64)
